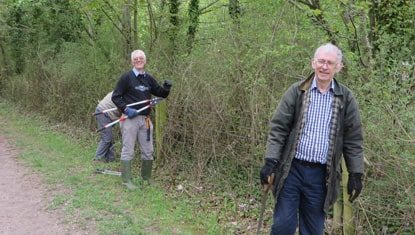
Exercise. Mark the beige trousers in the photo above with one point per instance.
(133, 130)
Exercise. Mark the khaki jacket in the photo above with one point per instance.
(106, 103)
(346, 138)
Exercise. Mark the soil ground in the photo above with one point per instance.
(24, 200)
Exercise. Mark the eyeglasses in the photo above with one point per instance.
(139, 58)
(321, 63)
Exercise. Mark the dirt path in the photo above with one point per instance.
(24, 200)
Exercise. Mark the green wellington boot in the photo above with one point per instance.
(146, 168)
(126, 175)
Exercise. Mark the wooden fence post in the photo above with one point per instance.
(348, 225)
(160, 120)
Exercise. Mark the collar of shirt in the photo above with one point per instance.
(314, 85)
(136, 72)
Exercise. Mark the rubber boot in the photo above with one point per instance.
(146, 168)
(126, 175)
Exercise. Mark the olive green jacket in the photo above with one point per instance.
(345, 136)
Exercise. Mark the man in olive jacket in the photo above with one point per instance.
(316, 123)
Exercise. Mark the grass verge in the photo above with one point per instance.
(65, 164)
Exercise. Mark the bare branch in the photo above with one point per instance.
(355, 39)
(318, 19)
(203, 10)
(357, 43)
(310, 4)
(113, 9)
(112, 21)
(296, 4)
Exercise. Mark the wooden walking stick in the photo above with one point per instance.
(264, 196)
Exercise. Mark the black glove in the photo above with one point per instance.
(266, 171)
(354, 184)
(167, 84)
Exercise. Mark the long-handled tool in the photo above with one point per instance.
(156, 99)
(265, 191)
(107, 172)
(122, 118)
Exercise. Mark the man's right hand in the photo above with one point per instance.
(266, 171)
(130, 112)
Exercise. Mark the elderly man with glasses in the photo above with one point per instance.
(316, 123)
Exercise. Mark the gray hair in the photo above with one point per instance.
(136, 52)
(329, 47)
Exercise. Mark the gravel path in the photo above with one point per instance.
(24, 200)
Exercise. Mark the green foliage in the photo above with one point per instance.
(67, 54)
(390, 152)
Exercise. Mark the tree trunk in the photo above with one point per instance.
(193, 14)
(126, 28)
(3, 59)
(235, 11)
(153, 28)
(135, 24)
(174, 25)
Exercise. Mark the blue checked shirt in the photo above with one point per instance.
(314, 138)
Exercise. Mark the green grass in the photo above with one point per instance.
(65, 164)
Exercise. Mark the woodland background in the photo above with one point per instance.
(230, 61)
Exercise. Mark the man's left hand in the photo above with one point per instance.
(354, 185)
(167, 84)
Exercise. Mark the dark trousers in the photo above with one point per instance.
(105, 148)
(301, 199)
